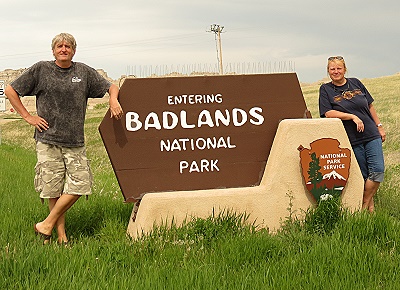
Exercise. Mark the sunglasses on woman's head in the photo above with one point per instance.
(335, 57)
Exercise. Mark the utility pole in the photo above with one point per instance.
(217, 29)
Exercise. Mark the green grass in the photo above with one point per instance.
(330, 249)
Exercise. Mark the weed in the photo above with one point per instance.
(324, 218)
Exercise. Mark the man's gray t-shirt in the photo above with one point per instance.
(61, 98)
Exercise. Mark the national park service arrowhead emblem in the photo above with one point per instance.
(325, 167)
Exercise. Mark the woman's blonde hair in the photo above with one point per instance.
(336, 59)
(64, 37)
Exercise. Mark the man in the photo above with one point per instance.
(62, 88)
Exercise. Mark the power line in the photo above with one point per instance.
(145, 42)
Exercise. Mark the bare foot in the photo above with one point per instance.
(45, 237)
(39, 228)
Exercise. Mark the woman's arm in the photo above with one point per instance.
(377, 122)
(346, 116)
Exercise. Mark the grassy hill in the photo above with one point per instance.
(331, 249)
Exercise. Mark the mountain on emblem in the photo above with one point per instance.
(333, 175)
(325, 167)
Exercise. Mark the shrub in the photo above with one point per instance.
(324, 218)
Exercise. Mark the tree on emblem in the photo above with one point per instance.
(314, 174)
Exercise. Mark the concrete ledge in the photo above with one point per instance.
(266, 204)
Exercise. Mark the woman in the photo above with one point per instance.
(349, 100)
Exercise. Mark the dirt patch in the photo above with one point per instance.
(392, 158)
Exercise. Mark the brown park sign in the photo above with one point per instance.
(325, 167)
(193, 133)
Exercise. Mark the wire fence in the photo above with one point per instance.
(143, 71)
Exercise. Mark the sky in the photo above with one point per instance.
(123, 36)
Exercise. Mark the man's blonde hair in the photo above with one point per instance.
(64, 37)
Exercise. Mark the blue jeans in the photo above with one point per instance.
(369, 156)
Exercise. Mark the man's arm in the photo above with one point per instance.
(36, 121)
(115, 107)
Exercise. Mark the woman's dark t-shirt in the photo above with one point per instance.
(353, 98)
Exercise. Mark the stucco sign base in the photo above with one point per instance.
(266, 204)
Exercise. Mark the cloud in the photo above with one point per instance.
(115, 35)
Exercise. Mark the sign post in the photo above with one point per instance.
(194, 133)
(2, 96)
(193, 146)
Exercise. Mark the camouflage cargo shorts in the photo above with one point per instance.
(62, 170)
